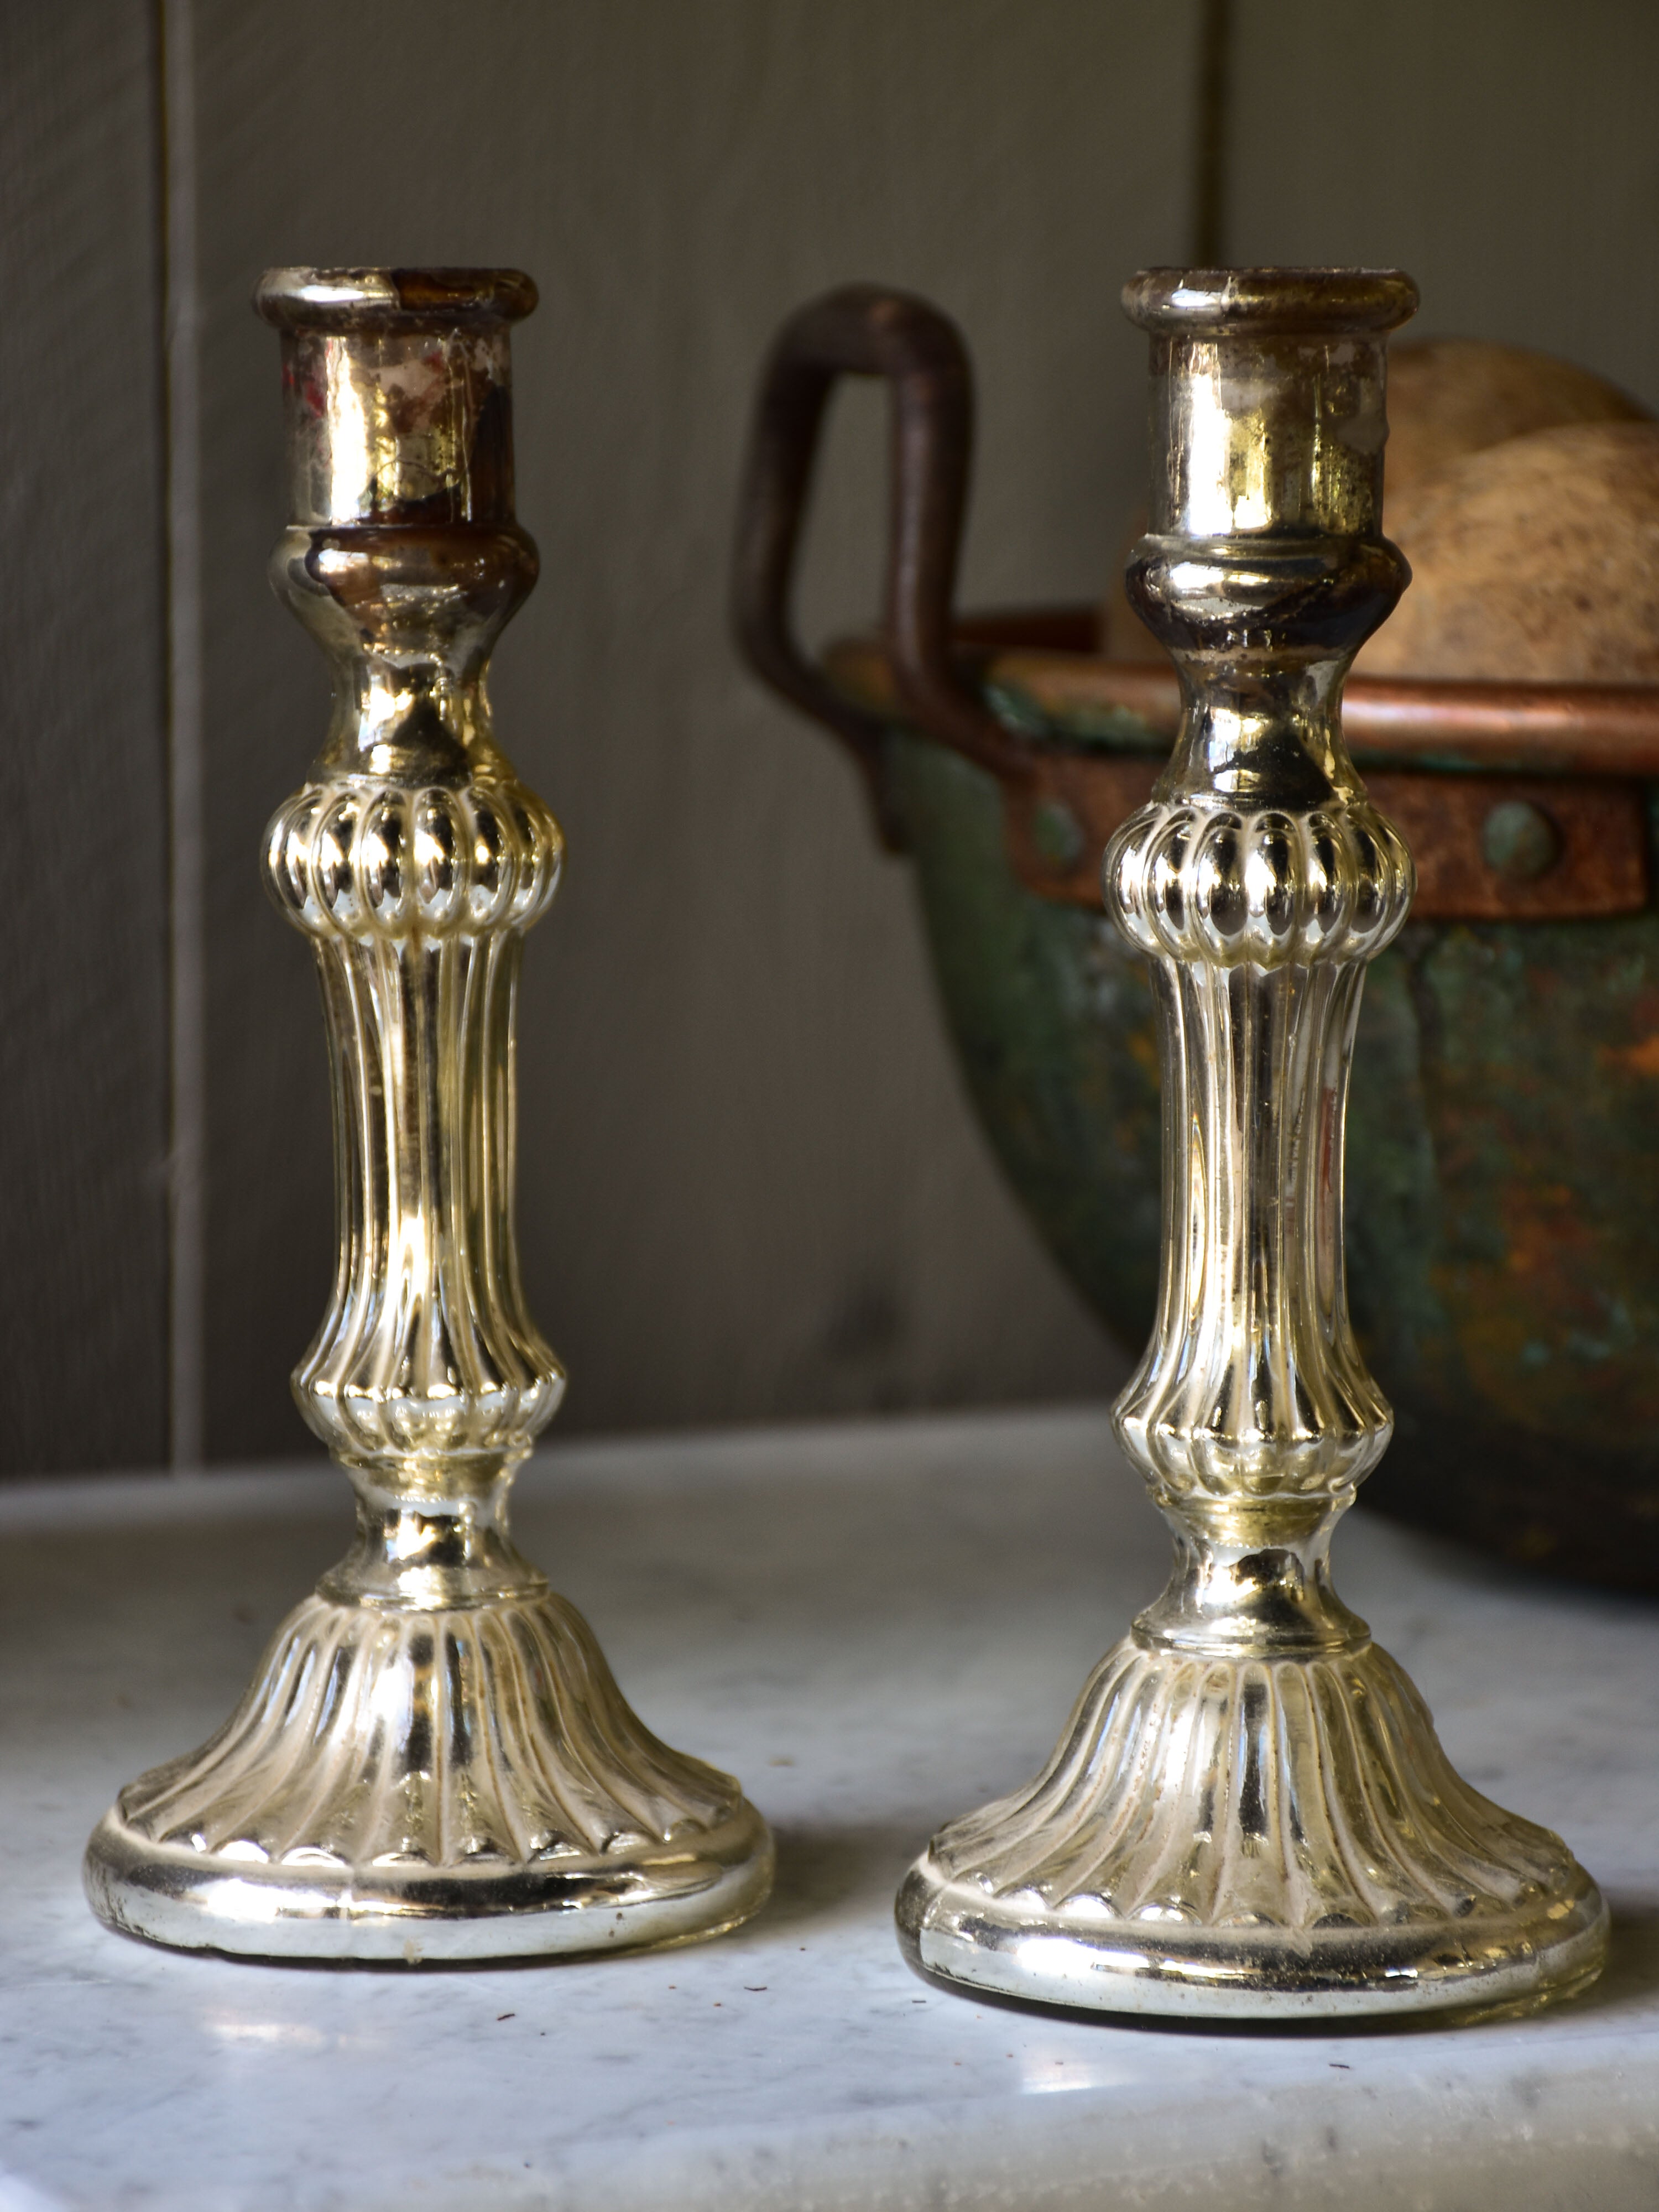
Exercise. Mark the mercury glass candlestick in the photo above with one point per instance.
(433, 1761)
(1248, 1815)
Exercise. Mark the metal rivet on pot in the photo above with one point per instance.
(1057, 834)
(1520, 840)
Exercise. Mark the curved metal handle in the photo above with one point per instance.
(863, 330)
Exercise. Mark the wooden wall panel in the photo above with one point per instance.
(1505, 156)
(83, 1132)
(751, 1187)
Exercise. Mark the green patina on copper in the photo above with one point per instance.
(1502, 1184)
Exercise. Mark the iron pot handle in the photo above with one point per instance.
(864, 329)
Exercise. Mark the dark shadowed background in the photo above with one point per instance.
(749, 1187)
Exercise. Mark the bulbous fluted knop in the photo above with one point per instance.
(361, 859)
(1223, 887)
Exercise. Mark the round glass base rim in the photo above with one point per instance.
(1551, 1950)
(190, 1900)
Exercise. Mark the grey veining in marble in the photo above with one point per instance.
(874, 1625)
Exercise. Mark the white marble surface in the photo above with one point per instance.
(877, 1627)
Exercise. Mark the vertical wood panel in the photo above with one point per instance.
(750, 1185)
(1505, 156)
(82, 845)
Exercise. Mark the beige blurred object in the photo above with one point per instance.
(1536, 562)
(1123, 635)
(1450, 399)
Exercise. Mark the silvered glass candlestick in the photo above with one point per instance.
(433, 1761)
(1249, 1815)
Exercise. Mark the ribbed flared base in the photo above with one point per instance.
(1253, 1840)
(401, 1785)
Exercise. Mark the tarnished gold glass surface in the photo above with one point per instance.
(1250, 1814)
(433, 1761)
